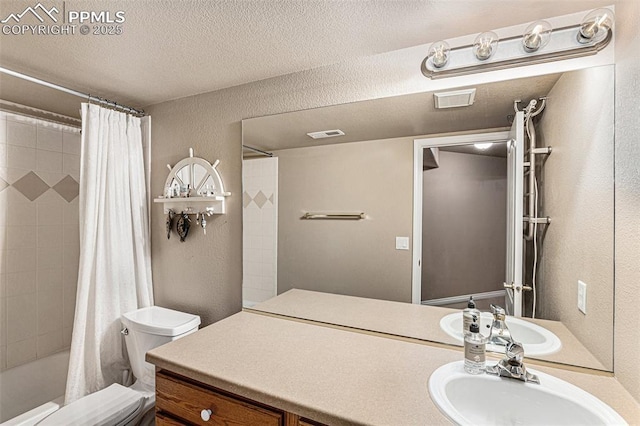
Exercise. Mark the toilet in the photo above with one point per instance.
(143, 330)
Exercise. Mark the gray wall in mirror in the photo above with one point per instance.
(464, 225)
(375, 176)
(355, 258)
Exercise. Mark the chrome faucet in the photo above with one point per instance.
(499, 334)
(512, 366)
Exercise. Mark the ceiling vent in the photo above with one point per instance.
(326, 134)
(455, 98)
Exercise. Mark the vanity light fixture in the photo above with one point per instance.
(540, 43)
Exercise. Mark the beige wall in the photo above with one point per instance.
(203, 275)
(577, 189)
(627, 197)
(355, 258)
(464, 225)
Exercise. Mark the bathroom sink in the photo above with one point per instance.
(535, 339)
(491, 400)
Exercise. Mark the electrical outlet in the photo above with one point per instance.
(582, 297)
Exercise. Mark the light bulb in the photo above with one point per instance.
(536, 36)
(595, 25)
(439, 53)
(483, 146)
(485, 45)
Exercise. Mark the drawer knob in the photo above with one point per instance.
(206, 415)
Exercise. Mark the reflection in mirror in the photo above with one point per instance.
(464, 223)
(194, 178)
(199, 173)
(184, 174)
(370, 169)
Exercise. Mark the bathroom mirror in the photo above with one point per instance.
(370, 169)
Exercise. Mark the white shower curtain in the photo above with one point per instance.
(114, 275)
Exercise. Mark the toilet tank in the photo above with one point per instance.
(148, 328)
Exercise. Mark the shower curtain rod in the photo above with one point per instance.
(7, 105)
(87, 96)
(259, 151)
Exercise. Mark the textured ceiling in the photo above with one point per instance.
(171, 49)
(398, 116)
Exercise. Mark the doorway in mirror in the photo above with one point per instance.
(464, 225)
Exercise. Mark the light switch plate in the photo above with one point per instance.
(582, 297)
(402, 243)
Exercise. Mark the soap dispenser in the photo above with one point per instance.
(475, 346)
(467, 316)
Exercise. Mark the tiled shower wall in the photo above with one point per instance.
(39, 241)
(259, 232)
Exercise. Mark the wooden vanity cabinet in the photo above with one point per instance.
(181, 401)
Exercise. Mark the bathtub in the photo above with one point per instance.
(33, 390)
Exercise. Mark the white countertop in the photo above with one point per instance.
(334, 376)
(405, 319)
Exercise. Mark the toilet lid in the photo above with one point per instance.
(115, 405)
(160, 321)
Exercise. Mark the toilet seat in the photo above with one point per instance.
(115, 405)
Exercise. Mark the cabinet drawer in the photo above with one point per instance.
(186, 401)
(166, 421)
